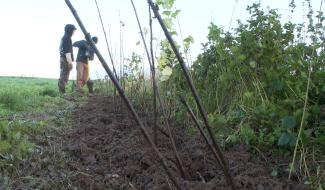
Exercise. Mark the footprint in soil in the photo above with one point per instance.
(106, 121)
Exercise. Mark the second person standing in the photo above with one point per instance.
(85, 54)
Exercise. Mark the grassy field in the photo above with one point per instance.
(18, 95)
(27, 105)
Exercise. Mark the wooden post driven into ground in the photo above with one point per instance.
(152, 70)
(198, 101)
(123, 96)
(155, 108)
(154, 85)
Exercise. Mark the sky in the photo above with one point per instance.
(31, 30)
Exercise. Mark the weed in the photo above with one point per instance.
(11, 100)
(49, 91)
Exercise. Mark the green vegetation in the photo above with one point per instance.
(262, 84)
(257, 79)
(27, 105)
(266, 86)
(25, 94)
(14, 140)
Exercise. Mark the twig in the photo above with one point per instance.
(259, 151)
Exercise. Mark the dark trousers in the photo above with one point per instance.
(90, 85)
(65, 69)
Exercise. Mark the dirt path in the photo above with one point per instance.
(109, 152)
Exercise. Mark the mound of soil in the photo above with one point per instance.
(109, 152)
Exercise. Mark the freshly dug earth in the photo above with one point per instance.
(109, 152)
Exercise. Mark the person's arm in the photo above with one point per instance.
(69, 58)
(80, 44)
(91, 54)
(76, 44)
(66, 49)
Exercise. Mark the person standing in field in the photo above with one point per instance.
(66, 56)
(85, 55)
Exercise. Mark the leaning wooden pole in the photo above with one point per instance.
(194, 92)
(123, 96)
(197, 124)
(171, 136)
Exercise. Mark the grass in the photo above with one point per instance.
(31, 111)
(26, 94)
(21, 100)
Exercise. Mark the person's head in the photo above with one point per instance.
(69, 29)
(94, 39)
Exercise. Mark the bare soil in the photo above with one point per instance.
(109, 152)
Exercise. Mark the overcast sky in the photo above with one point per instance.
(31, 30)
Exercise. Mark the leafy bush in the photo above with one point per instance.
(263, 85)
(258, 77)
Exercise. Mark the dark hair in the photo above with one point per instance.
(94, 39)
(69, 28)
